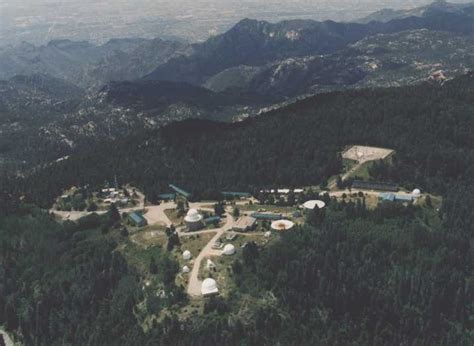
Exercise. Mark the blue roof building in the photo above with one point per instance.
(137, 219)
(236, 194)
(167, 196)
(180, 191)
(266, 216)
(212, 219)
(392, 197)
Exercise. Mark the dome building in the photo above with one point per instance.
(193, 220)
(209, 287)
(228, 250)
(282, 225)
(416, 193)
(187, 255)
(310, 205)
(186, 269)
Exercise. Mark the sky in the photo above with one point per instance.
(38, 21)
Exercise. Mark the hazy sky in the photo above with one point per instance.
(39, 21)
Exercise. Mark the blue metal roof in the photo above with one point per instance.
(212, 219)
(266, 216)
(180, 191)
(167, 196)
(236, 194)
(395, 197)
(137, 218)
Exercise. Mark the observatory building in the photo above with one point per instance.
(229, 250)
(209, 287)
(193, 220)
(310, 205)
(187, 255)
(282, 225)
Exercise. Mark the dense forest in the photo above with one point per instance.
(429, 126)
(394, 275)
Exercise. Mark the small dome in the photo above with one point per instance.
(193, 216)
(209, 286)
(267, 234)
(192, 212)
(186, 269)
(187, 255)
(282, 225)
(416, 192)
(229, 249)
(313, 204)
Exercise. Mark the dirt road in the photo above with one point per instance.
(194, 285)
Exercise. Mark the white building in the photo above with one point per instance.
(187, 255)
(282, 225)
(416, 193)
(209, 287)
(186, 269)
(310, 205)
(229, 250)
(193, 220)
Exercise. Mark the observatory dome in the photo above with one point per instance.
(209, 286)
(229, 249)
(416, 192)
(313, 204)
(282, 225)
(193, 216)
(187, 255)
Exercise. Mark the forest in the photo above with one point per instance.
(428, 125)
(394, 275)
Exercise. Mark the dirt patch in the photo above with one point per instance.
(363, 154)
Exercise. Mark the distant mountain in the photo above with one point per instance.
(87, 65)
(440, 7)
(381, 60)
(49, 125)
(256, 43)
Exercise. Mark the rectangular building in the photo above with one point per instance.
(245, 224)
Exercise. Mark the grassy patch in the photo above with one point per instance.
(267, 208)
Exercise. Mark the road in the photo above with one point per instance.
(346, 175)
(194, 285)
(6, 338)
(156, 213)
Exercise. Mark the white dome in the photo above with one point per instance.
(416, 192)
(186, 269)
(313, 204)
(282, 225)
(187, 255)
(229, 249)
(267, 234)
(193, 216)
(209, 286)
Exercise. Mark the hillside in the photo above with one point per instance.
(87, 65)
(379, 61)
(439, 6)
(307, 137)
